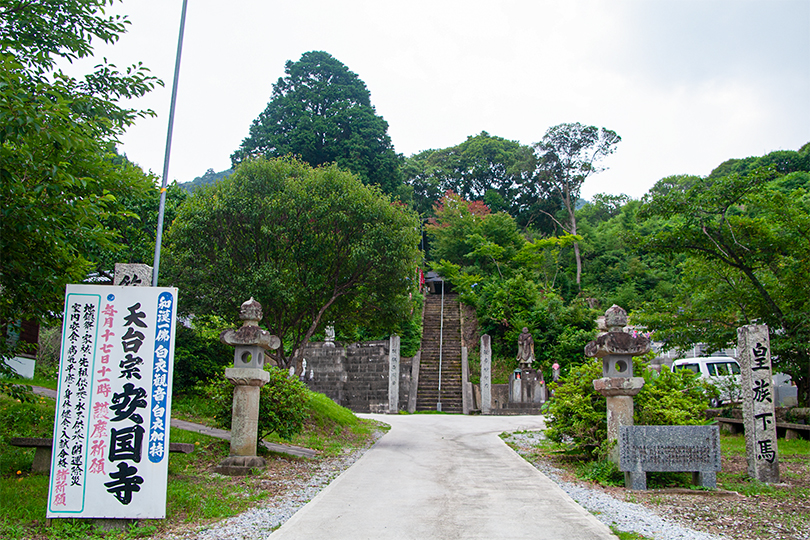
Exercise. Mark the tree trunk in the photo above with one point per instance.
(577, 255)
(803, 390)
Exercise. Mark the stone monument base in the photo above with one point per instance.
(527, 388)
(240, 465)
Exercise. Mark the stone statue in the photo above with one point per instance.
(330, 335)
(525, 349)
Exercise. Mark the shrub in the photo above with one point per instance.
(410, 330)
(198, 358)
(578, 414)
(282, 405)
(33, 418)
(671, 399)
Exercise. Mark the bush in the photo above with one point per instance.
(578, 414)
(199, 357)
(33, 418)
(671, 399)
(282, 405)
(410, 330)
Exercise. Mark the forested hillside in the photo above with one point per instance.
(210, 177)
(692, 260)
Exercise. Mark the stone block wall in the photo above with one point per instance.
(500, 397)
(356, 376)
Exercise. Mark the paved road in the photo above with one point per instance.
(443, 477)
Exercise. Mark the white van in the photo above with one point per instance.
(722, 371)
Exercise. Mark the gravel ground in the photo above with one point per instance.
(607, 505)
(625, 516)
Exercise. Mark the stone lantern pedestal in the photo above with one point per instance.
(248, 376)
(247, 384)
(617, 348)
(619, 393)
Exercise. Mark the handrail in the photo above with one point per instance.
(441, 340)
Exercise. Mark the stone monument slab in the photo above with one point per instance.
(393, 375)
(694, 449)
(486, 374)
(759, 418)
(133, 275)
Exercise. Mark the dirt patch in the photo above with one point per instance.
(740, 510)
(758, 512)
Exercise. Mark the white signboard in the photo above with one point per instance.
(111, 433)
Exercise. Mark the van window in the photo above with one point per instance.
(718, 368)
(735, 368)
(693, 367)
(723, 368)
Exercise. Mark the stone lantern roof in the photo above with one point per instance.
(615, 340)
(249, 334)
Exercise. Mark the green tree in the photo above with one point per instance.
(468, 234)
(567, 155)
(783, 162)
(310, 244)
(321, 112)
(136, 224)
(483, 168)
(509, 281)
(620, 270)
(59, 180)
(210, 177)
(748, 241)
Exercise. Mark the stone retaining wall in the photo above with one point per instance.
(356, 376)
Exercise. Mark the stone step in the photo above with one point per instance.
(427, 394)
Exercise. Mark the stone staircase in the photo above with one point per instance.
(427, 394)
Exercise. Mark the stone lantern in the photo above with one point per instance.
(247, 376)
(617, 348)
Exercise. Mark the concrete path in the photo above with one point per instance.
(443, 477)
(288, 449)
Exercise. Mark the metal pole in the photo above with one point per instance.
(441, 341)
(159, 236)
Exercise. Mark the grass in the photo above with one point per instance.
(765, 507)
(194, 407)
(330, 427)
(194, 494)
(734, 445)
(186, 502)
(623, 535)
(22, 419)
(790, 451)
(38, 380)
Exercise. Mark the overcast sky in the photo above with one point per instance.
(687, 84)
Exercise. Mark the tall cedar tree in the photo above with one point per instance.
(321, 112)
